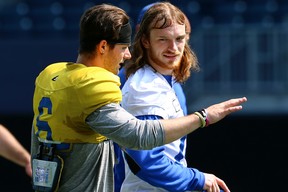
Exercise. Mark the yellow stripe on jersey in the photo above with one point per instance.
(65, 94)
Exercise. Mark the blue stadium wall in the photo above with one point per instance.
(246, 150)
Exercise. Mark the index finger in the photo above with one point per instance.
(222, 184)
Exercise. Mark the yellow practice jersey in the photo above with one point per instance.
(65, 94)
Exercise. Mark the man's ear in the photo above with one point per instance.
(102, 47)
(145, 42)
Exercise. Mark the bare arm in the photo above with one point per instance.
(11, 149)
(176, 128)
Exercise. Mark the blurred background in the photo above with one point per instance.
(242, 47)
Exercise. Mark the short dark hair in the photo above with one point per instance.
(100, 22)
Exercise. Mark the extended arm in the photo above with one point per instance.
(115, 123)
(11, 149)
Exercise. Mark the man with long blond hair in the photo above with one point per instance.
(161, 57)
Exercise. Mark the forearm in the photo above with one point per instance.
(177, 128)
(11, 149)
(170, 175)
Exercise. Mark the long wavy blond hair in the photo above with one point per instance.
(159, 16)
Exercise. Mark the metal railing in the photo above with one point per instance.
(250, 61)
